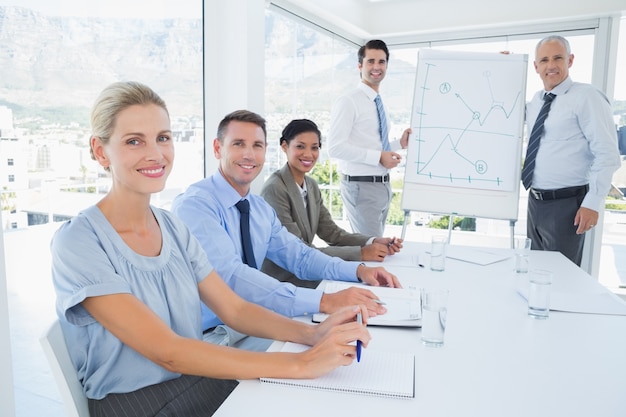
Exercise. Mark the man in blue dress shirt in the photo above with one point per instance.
(208, 208)
(577, 155)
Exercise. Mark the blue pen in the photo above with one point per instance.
(359, 320)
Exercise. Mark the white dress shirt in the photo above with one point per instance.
(579, 144)
(354, 137)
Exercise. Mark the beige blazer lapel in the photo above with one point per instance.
(302, 217)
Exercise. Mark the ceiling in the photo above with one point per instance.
(399, 21)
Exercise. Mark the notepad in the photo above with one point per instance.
(403, 305)
(378, 374)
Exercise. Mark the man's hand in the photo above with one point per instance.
(585, 219)
(404, 140)
(389, 159)
(332, 302)
(377, 277)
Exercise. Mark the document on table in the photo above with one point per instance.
(378, 373)
(403, 305)
(595, 303)
(400, 259)
(479, 256)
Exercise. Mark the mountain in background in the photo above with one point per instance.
(49, 63)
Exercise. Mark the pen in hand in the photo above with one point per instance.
(391, 242)
(359, 319)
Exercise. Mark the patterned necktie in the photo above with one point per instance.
(533, 142)
(244, 224)
(382, 124)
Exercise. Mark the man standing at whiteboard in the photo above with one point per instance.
(358, 138)
(576, 157)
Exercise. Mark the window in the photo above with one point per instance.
(81, 47)
(11, 178)
(306, 70)
(619, 103)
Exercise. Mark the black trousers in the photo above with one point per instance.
(188, 396)
(550, 226)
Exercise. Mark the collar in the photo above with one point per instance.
(228, 195)
(562, 88)
(369, 91)
(288, 179)
(302, 189)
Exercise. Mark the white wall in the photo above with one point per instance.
(234, 62)
(7, 400)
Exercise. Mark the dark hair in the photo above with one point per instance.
(240, 116)
(373, 44)
(298, 126)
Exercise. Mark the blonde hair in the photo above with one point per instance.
(112, 100)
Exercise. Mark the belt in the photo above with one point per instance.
(367, 178)
(560, 193)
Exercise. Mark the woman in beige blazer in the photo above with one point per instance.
(297, 200)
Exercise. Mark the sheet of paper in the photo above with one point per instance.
(475, 255)
(598, 303)
(401, 259)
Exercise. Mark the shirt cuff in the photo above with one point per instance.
(593, 202)
(308, 300)
(348, 271)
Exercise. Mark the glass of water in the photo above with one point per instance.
(434, 315)
(438, 253)
(522, 254)
(539, 293)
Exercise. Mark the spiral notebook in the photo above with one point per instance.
(378, 374)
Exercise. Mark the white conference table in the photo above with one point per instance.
(496, 360)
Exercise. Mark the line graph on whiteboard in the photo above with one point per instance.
(466, 122)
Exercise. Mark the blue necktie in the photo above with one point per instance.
(382, 124)
(533, 142)
(244, 224)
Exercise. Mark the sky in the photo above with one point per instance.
(113, 8)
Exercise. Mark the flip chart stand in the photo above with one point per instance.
(407, 216)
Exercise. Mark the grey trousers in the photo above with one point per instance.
(367, 205)
(550, 226)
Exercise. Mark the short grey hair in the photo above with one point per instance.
(554, 38)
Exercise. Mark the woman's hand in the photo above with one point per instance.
(335, 345)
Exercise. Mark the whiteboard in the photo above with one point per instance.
(464, 154)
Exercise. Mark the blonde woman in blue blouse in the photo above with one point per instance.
(129, 278)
